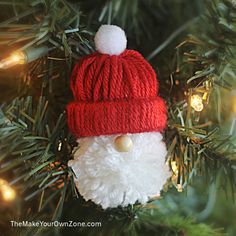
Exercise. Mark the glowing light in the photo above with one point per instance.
(15, 58)
(196, 102)
(59, 146)
(22, 57)
(8, 193)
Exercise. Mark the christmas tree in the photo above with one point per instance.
(191, 47)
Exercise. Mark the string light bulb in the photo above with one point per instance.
(16, 58)
(7, 192)
(196, 102)
(23, 57)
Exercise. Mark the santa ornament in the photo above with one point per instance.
(117, 118)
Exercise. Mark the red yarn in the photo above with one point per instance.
(115, 94)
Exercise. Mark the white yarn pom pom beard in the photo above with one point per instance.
(111, 178)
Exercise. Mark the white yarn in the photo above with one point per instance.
(110, 39)
(111, 178)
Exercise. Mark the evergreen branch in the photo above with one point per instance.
(210, 57)
(176, 33)
(26, 148)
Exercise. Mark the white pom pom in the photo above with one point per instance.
(110, 39)
(112, 178)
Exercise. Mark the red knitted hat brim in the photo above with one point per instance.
(116, 117)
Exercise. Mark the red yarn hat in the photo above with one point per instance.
(115, 90)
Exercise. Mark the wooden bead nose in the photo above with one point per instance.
(123, 143)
